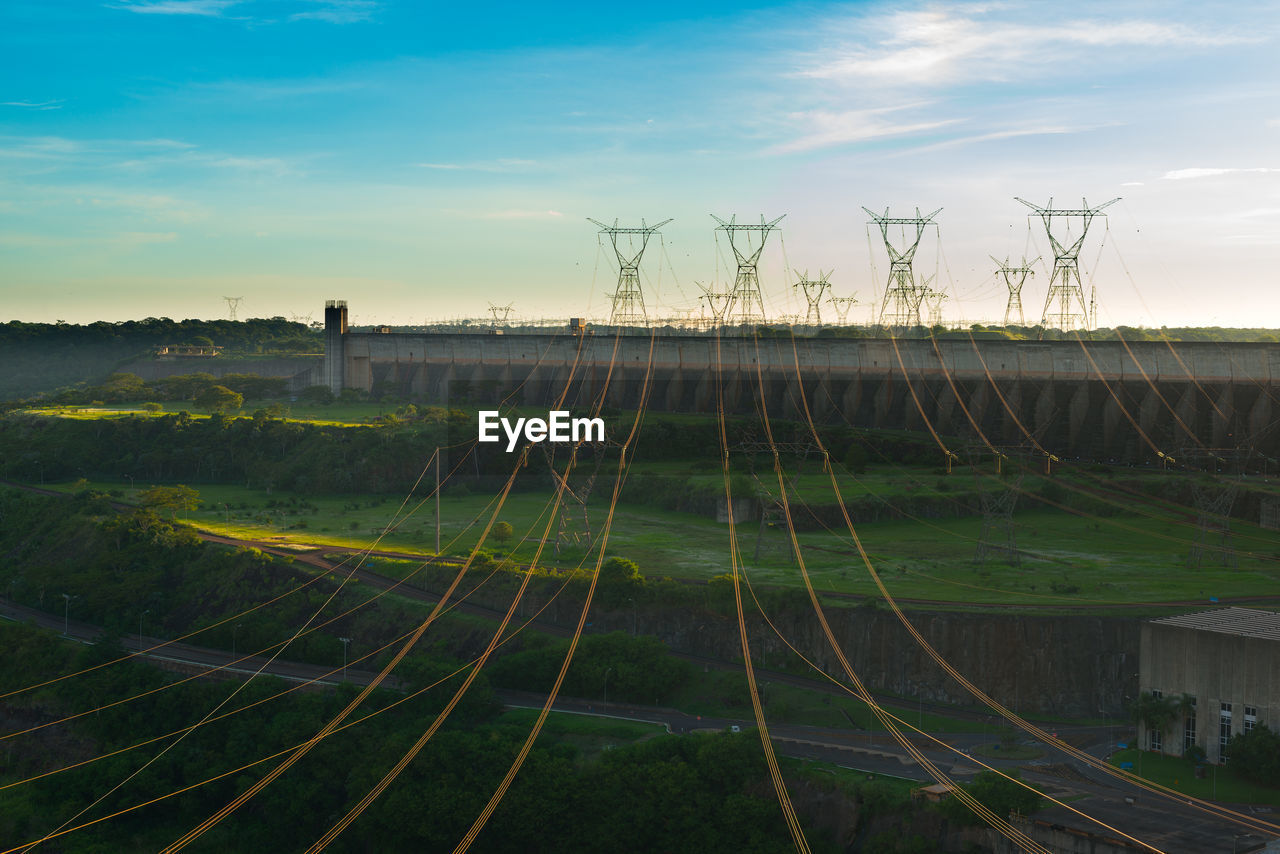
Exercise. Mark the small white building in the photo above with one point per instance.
(1226, 661)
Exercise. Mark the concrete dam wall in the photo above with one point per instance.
(1094, 399)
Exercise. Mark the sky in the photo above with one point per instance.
(424, 160)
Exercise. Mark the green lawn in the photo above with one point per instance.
(1220, 783)
(1067, 559)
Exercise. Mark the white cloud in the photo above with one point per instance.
(827, 128)
(1133, 184)
(338, 11)
(950, 46)
(1211, 172)
(206, 8)
(34, 105)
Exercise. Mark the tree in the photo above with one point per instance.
(1155, 713)
(1255, 755)
(171, 498)
(1001, 796)
(502, 532)
(219, 398)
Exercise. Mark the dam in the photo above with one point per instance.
(1103, 399)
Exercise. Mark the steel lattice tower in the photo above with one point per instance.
(1064, 283)
(628, 300)
(717, 302)
(842, 305)
(901, 289)
(934, 300)
(998, 537)
(1014, 279)
(745, 298)
(233, 304)
(813, 291)
(501, 313)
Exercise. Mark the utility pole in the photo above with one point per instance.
(1065, 287)
(628, 299)
(346, 642)
(66, 614)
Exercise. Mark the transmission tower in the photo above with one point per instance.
(1065, 286)
(773, 521)
(813, 291)
(1213, 524)
(717, 303)
(745, 297)
(842, 305)
(998, 538)
(233, 303)
(501, 313)
(934, 300)
(628, 301)
(902, 291)
(1014, 278)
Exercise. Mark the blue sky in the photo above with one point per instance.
(422, 160)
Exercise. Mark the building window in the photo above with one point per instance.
(1189, 733)
(1250, 717)
(1156, 694)
(1154, 737)
(1224, 731)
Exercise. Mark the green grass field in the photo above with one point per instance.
(1220, 783)
(1066, 560)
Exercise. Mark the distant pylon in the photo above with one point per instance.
(717, 302)
(998, 538)
(1065, 286)
(746, 298)
(934, 300)
(901, 290)
(1014, 278)
(628, 299)
(233, 303)
(501, 313)
(813, 291)
(842, 305)
(1213, 524)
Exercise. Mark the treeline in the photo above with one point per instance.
(43, 357)
(260, 451)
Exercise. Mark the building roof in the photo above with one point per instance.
(1246, 622)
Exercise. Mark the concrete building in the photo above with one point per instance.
(1227, 661)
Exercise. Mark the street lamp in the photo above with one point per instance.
(346, 642)
(66, 611)
(606, 687)
(234, 629)
(140, 616)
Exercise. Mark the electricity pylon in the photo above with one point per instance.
(1065, 286)
(842, 305)
(998, 537)
(1014, 278)
(233, 303)
(717, 303)
(813, 291)
(628, 300)
(746, 298)
(501, 313)
(902, 290)
(934, 299)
